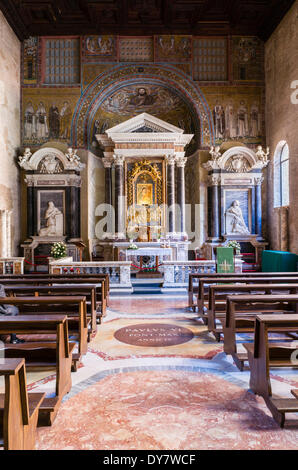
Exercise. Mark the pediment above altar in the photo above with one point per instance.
(144, 123)
(144, 129)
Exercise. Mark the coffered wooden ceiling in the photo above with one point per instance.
(144, 17)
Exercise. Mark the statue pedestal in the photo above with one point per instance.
(253, 244)
(37, 250)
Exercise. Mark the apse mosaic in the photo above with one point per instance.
(132, 100)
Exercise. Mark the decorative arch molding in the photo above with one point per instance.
(133, 74)
(51, 156)
(238, 159)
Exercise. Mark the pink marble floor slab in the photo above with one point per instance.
(165, 410)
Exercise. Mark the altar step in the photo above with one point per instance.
(147, 286)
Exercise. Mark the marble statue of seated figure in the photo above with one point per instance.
(54, 221)
(237, 222)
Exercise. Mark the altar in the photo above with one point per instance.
(149, 256)
(144, 161)
(148, 259)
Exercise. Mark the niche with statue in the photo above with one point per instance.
(53, 184)
(235, 180)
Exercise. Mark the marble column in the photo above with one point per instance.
(5, 224)
(108, 163)
(171, 192)
(30, 211)
(258, 205)
(181, 162)
(119, 196)
(214, 213)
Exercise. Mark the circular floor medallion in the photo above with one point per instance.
(154, 335)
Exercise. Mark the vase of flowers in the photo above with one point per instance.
(58, 250)
(132, 246)
(236, 245)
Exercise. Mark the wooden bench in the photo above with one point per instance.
(18, 409)
(85, 277)
(218, 295)
(205, 283)
(88, 291)
(55, 354)
(193, 288)
(101, 302)
(263, 355)
(241, 313)
(72, 306)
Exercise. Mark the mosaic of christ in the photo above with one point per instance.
(142, 99)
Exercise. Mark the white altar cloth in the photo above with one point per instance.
(150, 251)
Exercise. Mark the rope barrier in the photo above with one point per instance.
(147, 269)
(33, 264)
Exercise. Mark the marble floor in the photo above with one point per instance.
(154, 378)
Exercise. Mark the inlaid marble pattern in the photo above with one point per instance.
(187, 396)
(136, 411)
(202, 345)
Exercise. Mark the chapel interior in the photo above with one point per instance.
(148, 226)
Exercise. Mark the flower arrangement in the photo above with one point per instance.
(58, 250)
(236, 245)
(132, 246)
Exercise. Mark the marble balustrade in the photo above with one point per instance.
(175, 273)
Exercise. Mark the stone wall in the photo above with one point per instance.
(281, 69)
(10, 90)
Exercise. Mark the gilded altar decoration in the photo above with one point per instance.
(140, 177)
(144, 194)
(144, 197)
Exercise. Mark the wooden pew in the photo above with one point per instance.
(205, 283)
(55, 354)
(18, 409)
(75, 275)
(72, 306)
(193, 288)
(263, 355)
(85, 290)
(101, 302)
(218, 296)
(241, 313)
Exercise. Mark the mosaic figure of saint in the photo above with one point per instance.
(255, 121)
(219, 120)
(54, 122)
(65, 120)
(242, 120)
(41, 122)
(230, 122)
(29, 126)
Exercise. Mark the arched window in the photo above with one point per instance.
(281, 175)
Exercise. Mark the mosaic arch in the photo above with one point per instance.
(129, 80)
